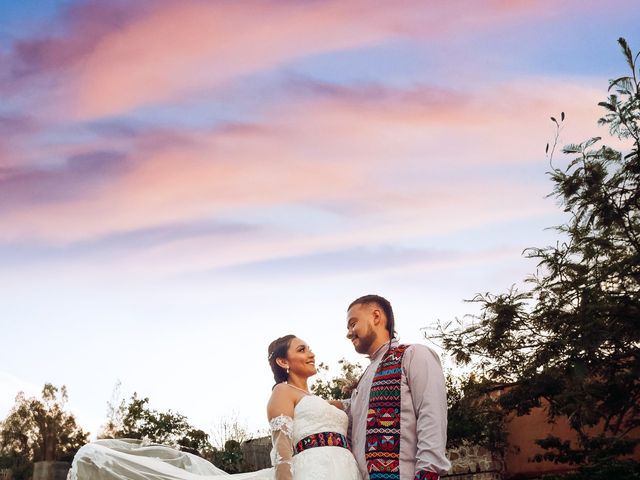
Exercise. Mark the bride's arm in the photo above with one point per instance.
(337, 403)
(280, 414)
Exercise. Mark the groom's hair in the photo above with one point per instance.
(381, 303)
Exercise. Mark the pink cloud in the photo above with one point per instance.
(495, 124)
(111, 58)
(384, 152)
(436, 213)
(180, 49)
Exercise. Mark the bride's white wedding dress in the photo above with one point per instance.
(133, 460)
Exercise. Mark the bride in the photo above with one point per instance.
(308, 436)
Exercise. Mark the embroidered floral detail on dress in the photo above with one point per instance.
(282, 452)
(322, 439)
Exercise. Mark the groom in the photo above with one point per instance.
(398, 410)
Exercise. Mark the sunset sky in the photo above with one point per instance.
(181, 182)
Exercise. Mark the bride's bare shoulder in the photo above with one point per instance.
(282, 401)
(281, 389)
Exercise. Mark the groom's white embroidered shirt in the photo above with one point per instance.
(423, 416)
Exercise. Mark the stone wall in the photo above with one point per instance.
(256, 453)
(475, 476)
(474, 462)
(50, 470)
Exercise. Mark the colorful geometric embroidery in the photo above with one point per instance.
(382, 448)
(424, 475)
(322, 439)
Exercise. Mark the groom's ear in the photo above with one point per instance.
(377, 316)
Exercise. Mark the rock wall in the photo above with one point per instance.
(256, 453)
(473, 462)
(50, 470)
(475, 476)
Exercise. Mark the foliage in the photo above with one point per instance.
(570, 341)
(339, 387)
(137, 420)
(618, 469)
(228, 435)
(20, 465)
(473, 416)
(230, 459)
(39, 429)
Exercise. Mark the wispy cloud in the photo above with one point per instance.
(422, 155)
(110, 58)
(368, 150)
(358, 260)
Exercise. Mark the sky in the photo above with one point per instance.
(181, 182)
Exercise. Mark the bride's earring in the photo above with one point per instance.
(287, 370)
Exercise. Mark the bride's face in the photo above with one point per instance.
(302, 361)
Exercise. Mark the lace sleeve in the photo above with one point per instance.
(282, 453)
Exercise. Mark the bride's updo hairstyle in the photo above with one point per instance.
(278, 349)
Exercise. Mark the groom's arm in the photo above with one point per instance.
(428, 393)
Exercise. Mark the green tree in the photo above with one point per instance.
(570, 339)
(230, 458)
(39, 429)
(473, 417)
(228, 435)
(136, 419)
(339, 387)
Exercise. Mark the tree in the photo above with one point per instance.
(228, 435)
(229, 428)
(230, 458)
(570, 339)
(137, 420)
(339, 387)
(39, 429)
(473, 417)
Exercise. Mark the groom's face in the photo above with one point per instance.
(360, 328)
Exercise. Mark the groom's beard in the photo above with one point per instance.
(365, 342)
